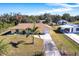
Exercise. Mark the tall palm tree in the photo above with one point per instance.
(32, 32)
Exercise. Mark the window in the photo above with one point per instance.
(77, 29)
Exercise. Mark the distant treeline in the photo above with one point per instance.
(45, 18)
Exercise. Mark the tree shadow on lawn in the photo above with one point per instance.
(15, 44)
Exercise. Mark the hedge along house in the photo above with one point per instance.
(69, 28)
(24, 28)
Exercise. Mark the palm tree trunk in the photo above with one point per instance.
(33, 39)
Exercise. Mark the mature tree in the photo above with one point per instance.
(25, 19)
(48, 18)
(77, 17)
(56, 18)
(66, 16)
(41, 17)
(72, 19)
(31, 18)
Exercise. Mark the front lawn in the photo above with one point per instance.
(75, 22)
(25, 48)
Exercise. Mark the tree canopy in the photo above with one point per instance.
(49, 18)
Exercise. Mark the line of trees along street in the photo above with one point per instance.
(7, 20)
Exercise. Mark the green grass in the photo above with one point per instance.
(75, 22)
(25, 48)
(77, 34)
(6, 26)
(64, 43)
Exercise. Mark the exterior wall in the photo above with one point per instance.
(62, 30)
(74, 30)
(70, 30)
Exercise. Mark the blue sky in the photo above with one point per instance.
(40, 8)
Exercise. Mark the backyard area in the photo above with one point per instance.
(65, 45)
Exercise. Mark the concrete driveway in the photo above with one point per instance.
(49, 45)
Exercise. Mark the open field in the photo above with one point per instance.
(27, 47)
(64, 43)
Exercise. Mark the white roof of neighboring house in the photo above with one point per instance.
(62, 20)
(66, 26)
(69, 26)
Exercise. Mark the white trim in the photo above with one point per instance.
(74, 37)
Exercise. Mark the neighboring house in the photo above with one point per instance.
(62, 22)
(69, 28)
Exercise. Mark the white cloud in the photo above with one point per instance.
(62, 9)
(63, 4)
(66, 5)
(55, 10)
